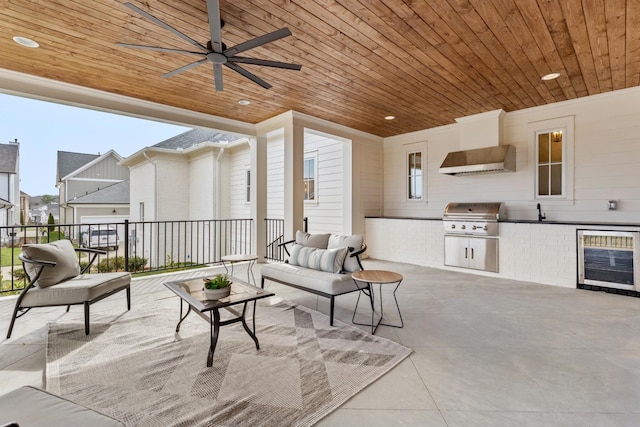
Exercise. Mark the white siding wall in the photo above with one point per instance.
(142, 190)
(202, 170)
(275, 176)
(606, 158)
(326, 213)
(173, 188)
(239, 162)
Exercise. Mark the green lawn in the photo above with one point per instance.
(6, 254)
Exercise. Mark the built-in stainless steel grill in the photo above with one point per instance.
(471, 234)
(478, 219)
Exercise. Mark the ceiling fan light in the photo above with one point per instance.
(390, 117)
(244, 102)
(26, 42)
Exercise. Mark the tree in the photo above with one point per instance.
(46, 199)
(50, 220)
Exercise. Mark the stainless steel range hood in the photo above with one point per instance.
(501, 158)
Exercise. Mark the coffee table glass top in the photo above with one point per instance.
(191, 292)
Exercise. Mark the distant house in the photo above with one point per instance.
(9, 185)
(93, 188)
(40, 214)
(199, 174)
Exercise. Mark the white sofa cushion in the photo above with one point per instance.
(328, 283)
(312, 240)
(354, 241)
(329, 260)
(61, 252)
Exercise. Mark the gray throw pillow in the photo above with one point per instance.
(330, 260)
(312, 240)
(61, 252)
(354, 241)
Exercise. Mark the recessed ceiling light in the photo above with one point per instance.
(244, 102)
(390, 117)
(23, 41)
(550, 76)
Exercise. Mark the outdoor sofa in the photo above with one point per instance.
(319, 263)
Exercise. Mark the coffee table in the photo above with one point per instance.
(190, 291)
(233, 259)
(365, 280)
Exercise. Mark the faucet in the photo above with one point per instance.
(540, 216)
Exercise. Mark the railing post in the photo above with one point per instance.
(126, 247)
(305, 221)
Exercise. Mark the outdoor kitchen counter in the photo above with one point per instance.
(529, 250)
(525, 221)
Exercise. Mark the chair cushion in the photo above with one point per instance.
(29, 406)
(312, 240)
(330, 260)
(61, 252)
(354, 241)
(79, 289)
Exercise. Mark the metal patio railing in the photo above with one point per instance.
(138, 247)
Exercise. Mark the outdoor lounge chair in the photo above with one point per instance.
(55, 278)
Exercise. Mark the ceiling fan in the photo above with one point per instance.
(216, 51)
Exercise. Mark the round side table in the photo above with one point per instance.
(365, 280)
(233, 259)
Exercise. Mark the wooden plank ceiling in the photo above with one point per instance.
(425, 62)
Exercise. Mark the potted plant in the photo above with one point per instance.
(217, 287)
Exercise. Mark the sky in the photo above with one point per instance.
(44, 128)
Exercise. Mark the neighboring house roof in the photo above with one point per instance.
(9, 158)
(70, 162)
(115, 193)
(196, 136)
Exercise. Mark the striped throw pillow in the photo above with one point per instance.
(330, 260)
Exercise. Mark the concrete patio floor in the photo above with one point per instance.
(486, 351)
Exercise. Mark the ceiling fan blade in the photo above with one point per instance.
(184, 68)
(213, 10)
(159, 49)
(217, 76)
(166, 26)
(258, 41)
(265, 63)
(247, 74)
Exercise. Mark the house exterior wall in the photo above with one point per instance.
(275, 176)
(106, 169)
(201, 188)
(605, 167)
(606, 159)
(97, 176)
(238, 162)
(325, 214)
(142, 189)
(173, 181)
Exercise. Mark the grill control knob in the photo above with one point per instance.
(473, 227)
(453, 226)
(463, 226)
(485, 228)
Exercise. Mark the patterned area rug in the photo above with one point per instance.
(134, 367)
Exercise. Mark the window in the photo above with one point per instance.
(310, 177)
(248, 185)
(551, 150)
(550, 163)
(414, 175)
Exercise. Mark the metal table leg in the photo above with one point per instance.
(215, 328)
(368, 290)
